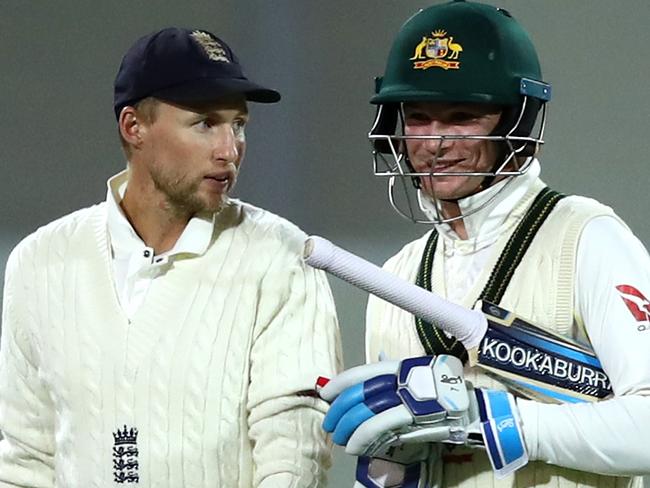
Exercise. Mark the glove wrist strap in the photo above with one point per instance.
(501, 429)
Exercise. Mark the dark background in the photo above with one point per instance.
(308, 158)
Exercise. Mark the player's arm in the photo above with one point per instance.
(496, 340)
(26, 412)
(608, 437)
(296, 341)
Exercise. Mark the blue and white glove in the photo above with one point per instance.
(422, 399)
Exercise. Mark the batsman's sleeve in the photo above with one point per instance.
(26, 412)
(609, 437)
(298, 342)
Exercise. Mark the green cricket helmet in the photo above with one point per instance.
(461, 52)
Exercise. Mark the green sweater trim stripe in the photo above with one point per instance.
(518, 244)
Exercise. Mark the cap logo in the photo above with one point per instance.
(437, 51)
(210, 45)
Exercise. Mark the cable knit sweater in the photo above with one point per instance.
(203, 387)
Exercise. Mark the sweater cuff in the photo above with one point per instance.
(279, 480)
(529, 414)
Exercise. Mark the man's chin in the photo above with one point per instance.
(198, 204)
(447, 191)
(215, 205)
(441, 193)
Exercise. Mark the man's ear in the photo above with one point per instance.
(130, 126)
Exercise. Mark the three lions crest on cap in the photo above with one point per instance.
(210, 45)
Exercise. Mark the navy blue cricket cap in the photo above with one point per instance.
(183, 66)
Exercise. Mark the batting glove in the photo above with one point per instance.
(422, 399)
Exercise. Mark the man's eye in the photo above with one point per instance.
(238, 126)
(205, 123)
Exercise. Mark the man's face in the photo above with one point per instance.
(192, 154)
(449, 155)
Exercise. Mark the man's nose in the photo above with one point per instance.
(225, 144)
(443, 137)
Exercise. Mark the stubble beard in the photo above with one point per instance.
(182, 196)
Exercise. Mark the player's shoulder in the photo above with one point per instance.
(57, 234)
(269, 228)
(578, 212)
(583, 206)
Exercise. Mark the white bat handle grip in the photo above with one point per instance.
(468, 326)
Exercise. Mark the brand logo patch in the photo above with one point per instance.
(508, 423)
(125, 456)
(637, 304)
(211, 46)
(437, 51)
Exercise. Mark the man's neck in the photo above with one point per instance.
(452, 210)
(152, 219)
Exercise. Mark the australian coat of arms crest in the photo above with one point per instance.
(437, 51)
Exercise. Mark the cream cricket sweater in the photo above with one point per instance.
(200, 389)
(601, 438)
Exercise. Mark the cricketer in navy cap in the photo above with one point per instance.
(188, 330)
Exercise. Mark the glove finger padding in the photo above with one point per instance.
(361, 400)
(378, 407)
(355, 376)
